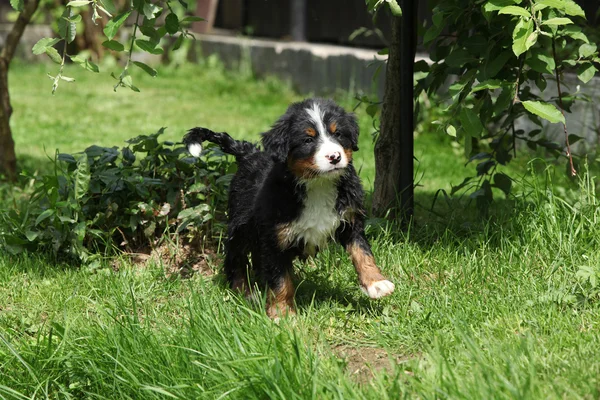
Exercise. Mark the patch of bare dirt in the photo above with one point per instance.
(363, 362)
(184, 259)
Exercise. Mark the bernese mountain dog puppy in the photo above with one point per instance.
(290, 199)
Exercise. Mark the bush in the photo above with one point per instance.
(108, 198)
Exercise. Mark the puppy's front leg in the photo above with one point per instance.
(371, 281)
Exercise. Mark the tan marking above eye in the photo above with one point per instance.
(311, 132)
(333, 127)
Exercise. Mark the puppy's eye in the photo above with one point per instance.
(308, 139)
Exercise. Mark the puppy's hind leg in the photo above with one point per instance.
(236, 264)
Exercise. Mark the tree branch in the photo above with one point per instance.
(560, 104)
(14, 36)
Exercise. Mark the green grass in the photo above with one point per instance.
(483, 309)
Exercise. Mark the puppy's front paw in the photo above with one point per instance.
(378, 289)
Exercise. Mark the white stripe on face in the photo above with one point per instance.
(328, 147)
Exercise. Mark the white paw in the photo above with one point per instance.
(378, 289)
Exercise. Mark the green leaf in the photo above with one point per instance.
(459, 57)
(148, 46)
(42, 44)
(84, 63)
(586, 72)
(178, 42)
(544, 110)
(450, 130)
(192, 19)
(586, 50)
(569, 7)
(541, 62)
(574, 32)
(43, 216)
(502, 182)
(395, 8)
(67, 79)
(491, 69)
(514, 10)
(470, 122)
(17, 4)
(113, 45)
(488, 84)
(521, 34)
(78, 3)
(128, 81)
(82, 177)
(151, 71)
(432, 33)
(172, 23)
(557, 21)
(150, 10)
(495, 5)
(67, 28)
(112, 27)
(53, 54)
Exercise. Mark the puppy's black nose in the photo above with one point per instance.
(334, 157)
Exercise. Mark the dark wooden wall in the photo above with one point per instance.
(327, 21)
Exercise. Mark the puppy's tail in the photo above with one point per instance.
(238, 148)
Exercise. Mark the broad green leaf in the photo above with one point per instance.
(586, 50)
(42, 44)
(541, 62)
(544, 110)
(574, 32)
(521, 34)
(17, 4)
(172, 23)
(450, 130)
(557, 21)
(113, 45)
(150, 10)
(491, 69)
(148, 47)
(45, 215)
(489, 84)
(53, 54)
(531, 40)
(394, 8)
(586, 72)
(502, 182)
(569, 7)
(151, 71)
(112, 27)
(495, 5)
(109, 7)
(82, 177)
(458, 58)
(78, 3)
(515, 10)
(470, 122)
(432, 33)
(67, 28)
(84, 63)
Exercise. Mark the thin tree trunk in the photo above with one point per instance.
(8, 159)
(394, 150)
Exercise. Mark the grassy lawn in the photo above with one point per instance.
(484, 308)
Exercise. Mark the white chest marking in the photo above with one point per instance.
(318, 220)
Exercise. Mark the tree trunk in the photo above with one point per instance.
(394, 151)
(8, 159)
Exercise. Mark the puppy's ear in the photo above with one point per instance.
(277, 141)
(354, 130)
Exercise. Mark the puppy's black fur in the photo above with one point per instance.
(274, 204)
